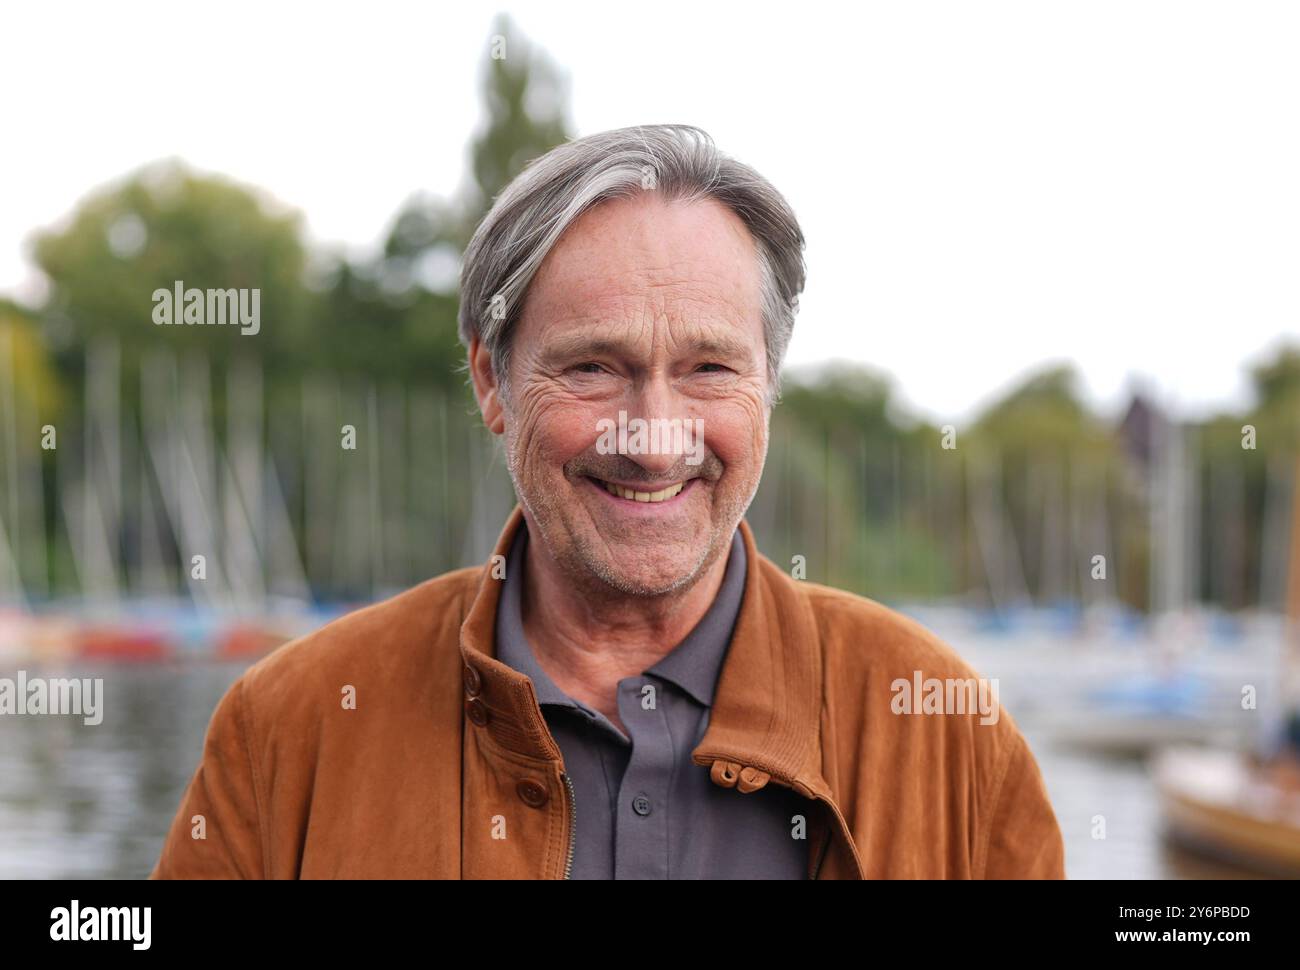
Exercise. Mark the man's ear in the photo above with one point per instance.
(486, 388)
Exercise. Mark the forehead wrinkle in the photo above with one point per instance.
(678, 305)
(635, 293)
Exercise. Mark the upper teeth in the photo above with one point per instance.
(635, 496)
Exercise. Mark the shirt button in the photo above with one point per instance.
(473, 683)
(641, 804)
(477, 711)
(532, 793)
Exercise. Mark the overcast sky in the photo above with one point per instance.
(984, 186)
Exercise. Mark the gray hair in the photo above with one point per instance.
(679, 161)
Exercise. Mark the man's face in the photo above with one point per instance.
(652, 308)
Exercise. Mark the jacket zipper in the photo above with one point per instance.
(573, 825)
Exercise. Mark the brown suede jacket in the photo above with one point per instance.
(392, 744)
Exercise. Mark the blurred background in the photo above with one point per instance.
(1043, 394)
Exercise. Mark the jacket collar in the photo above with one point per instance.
(765, 721)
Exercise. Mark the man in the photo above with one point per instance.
(627, 688)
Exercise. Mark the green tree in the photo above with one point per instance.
(1276, 413)
(161, 225)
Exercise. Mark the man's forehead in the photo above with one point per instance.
(644, 253)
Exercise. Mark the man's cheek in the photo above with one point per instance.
(546, 426)
(734, 439)
(550, 444)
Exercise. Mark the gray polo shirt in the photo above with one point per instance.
(644, 809)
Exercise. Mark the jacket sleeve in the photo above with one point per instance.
(216, 832)
(1023, 840)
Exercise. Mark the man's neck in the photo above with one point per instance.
(588, 643)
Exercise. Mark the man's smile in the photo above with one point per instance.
(643, 496)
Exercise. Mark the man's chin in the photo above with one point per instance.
(660, 575)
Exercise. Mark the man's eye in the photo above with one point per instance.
(720, 368)
(588, 367)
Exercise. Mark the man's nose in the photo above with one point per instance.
(667, 422)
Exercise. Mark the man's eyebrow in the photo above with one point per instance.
(722, 347)
(576, 345)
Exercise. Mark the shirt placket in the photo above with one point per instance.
(641, 813)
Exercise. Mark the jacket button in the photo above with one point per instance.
(532, 793)
(751, 779)
(724, 773)
(473, 682)
(477, 711)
